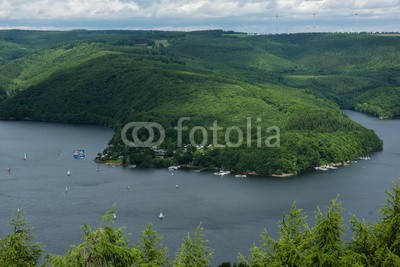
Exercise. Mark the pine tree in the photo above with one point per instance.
(194, 252)
(289, 249)
(15, 249)
(105, 246)
(388, 230)
(377, 244)
(327, 245)
(294, 238)
(151, 253)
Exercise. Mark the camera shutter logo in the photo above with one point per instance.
(136, 142)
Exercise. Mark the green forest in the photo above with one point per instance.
(298, 244)
(297, 82)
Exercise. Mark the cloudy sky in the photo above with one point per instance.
(250, 16)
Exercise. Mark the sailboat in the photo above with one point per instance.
(24, 156)
(69, 173)
(66, 189)
(9, 169)
(161, 216)
(114, 216)
(177, 186)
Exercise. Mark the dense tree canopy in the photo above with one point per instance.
(296, 82)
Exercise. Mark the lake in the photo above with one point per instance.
(233, 211)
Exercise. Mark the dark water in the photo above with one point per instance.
(233, 211)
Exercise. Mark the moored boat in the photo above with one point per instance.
(222, 173)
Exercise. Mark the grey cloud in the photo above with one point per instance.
(198, 11)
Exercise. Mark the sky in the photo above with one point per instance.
(253, 16)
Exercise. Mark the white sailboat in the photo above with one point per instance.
(114, 216)
(24, 156)
(177, 186)
(161, 216)
(66, 189)
(69, 173)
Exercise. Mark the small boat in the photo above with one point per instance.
(200, 170)
(161, 216)
(25, 156)
(18, 210)
(114, 216)
(173, 168)
(129, 188)
(240, 175)
(330, 167)
(79, 154)
(321, 168)
(222, 173)
(176, 186)
(69, 173)
(132, 166)
(66, 189)
(9, 169)
(172, 174)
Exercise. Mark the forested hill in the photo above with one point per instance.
(357, 71)
(296, 82)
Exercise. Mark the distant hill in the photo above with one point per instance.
(296, 82)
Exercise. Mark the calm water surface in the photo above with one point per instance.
(233, 211)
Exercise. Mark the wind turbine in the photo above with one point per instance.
(314, 21)
(356, 22)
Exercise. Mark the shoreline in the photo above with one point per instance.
(191, 167)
